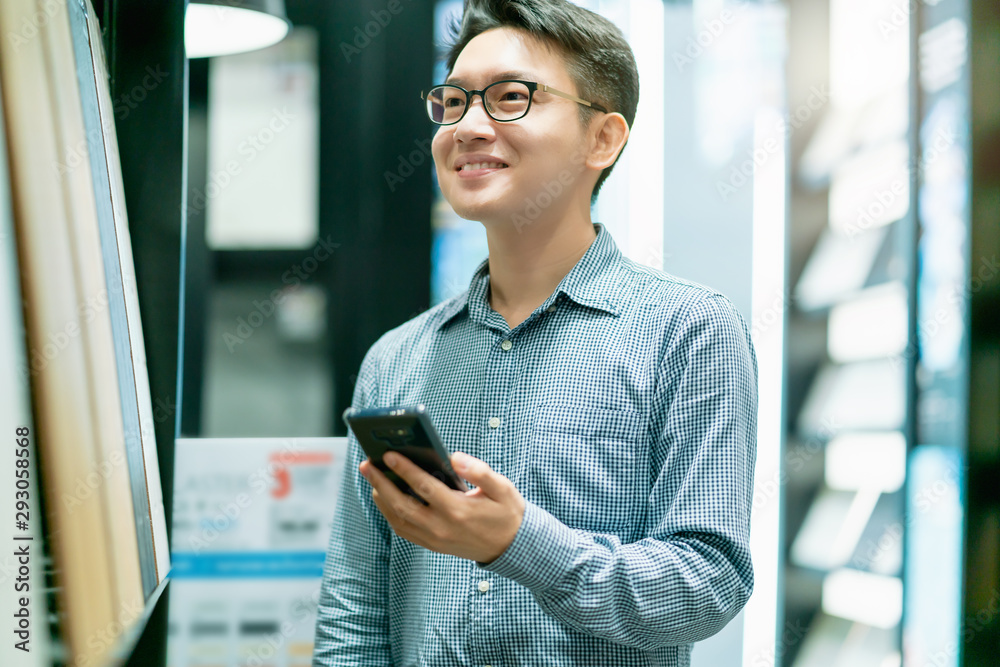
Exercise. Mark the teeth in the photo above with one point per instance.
(483, 165)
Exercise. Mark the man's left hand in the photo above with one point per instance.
(478, 524)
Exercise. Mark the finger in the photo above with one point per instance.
(477, 471)
(427, 486)
(402, 527)
(395, 505)
(400, 516)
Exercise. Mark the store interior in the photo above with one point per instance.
(832, 166)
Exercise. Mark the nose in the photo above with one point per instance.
(475, 122)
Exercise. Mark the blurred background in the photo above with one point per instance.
(833, 166)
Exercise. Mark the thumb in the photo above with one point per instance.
(479, 473)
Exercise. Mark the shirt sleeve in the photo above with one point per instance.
(691, 573)
(352, 623)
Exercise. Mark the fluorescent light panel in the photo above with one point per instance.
(866, 460)
(865, 56)
(872, 324)
(870, 189)
(837, 267)
(872, 599)
(861, 396)
(832, 528)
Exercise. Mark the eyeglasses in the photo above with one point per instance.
(504, 101)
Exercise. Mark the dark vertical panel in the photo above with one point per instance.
(149, 90)
(148, 67)
(371, 118)
(198, 274)
(982, 554)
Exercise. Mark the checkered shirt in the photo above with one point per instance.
(624, 410)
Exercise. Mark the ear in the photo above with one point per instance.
(608, 134)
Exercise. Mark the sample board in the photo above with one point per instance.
(251, 529)
(85, 360)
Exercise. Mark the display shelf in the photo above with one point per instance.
(856, 409)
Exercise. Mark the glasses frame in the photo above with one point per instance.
(532, 87)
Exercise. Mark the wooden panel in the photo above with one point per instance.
(74, 375)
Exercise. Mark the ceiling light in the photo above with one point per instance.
(224, 27)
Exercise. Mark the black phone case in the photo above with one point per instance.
(409, 431)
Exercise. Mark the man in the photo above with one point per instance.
(603, 412)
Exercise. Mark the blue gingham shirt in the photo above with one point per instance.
(624, 411)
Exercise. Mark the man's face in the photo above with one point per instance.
(537, 149)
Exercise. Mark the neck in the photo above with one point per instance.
(527, 263)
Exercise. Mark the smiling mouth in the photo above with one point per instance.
(476, 166)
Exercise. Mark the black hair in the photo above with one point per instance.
(598, 58)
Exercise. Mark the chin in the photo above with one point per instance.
(472, 211)
(477, 205)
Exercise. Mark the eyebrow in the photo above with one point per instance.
(499, 76)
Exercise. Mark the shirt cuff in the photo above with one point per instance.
(541, 553)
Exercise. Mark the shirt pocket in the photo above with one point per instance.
(588, 467)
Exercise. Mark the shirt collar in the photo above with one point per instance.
(591, 282)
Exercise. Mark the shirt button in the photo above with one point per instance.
(550, 309)
(506, 345)
(494, 422)
(484, 586)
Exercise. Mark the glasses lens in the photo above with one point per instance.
(445, 104)
(508, 100)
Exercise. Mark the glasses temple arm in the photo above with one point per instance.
(550, 89)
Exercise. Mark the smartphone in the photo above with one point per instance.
(409, 431)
